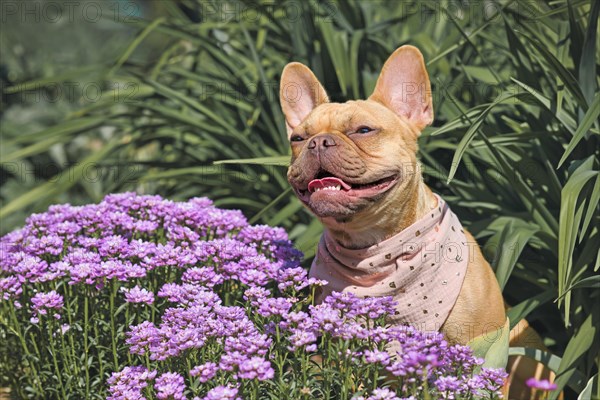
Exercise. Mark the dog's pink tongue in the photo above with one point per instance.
(326, 182)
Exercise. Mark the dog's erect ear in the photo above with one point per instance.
(403, 86)
(300, 92)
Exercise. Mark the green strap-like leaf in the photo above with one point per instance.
(59, 183)
(589, 282)
(567, 120)
(510, 243)
(563, 73)
(521, 310)
(276, 200)
(492, 347)
(282, 161)
(588, 120)
(592, 389)
(569, 224)
(577, 347)
(470, 134)
(135, 43)
(587, 67)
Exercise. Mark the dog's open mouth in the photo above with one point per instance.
(327, 183)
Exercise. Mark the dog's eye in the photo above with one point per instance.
(296, 138)
(364, 129)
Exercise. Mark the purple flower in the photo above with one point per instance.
(488, 380)
(111, 245)
(128, 383)
(256, 368)
(230, 360)
(64, 328)
(204, 275)
(29, 267)
(326, 318)
(44, 302)
(274, 306)
(170, 386)
(141, 337)
(377, 357)
(138, 295)
(300, 338)
(449, 386)
(205, 372)
(311, 348)
(188, 294)
(460, 357)
(383, 394)
(543, 384)
(353, 306)
(273, 241)
(296, 278)
(249, 342)
(264, 234)
(10, 288)
(255, 295)
(50, 244)
(221, 393)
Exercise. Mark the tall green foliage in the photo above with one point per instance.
(514, 148)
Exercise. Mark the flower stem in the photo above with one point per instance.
(113, 333)
(17, 330)
(68, 296)
(55, 361)
(85, 345)
(99, 354)
(126, 325)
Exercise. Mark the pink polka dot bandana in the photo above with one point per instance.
(422, 268)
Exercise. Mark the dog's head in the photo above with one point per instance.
(353, 159)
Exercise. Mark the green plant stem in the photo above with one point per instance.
(100, 361)
(35, 347)
(127, 324)
(17, 331)
(255, 388)
(345, 370)
(68, 297)
(375, 378)
(325, 366)
(66, 355)
(113, 333)
(85, 344)
(55, 360)
(304, 366)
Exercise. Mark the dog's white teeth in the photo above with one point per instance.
(338, 187)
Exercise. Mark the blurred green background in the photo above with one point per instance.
(180, 98)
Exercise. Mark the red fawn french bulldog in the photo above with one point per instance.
(354, 165)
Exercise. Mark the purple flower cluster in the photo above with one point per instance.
(42, 303)
(205, 372)
(138, 295)
(220, 307)
(170, 386)
(221, 393)
(126, 237)
(129, 383)
(379, 394)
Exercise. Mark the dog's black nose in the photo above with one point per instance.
(322, 141)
